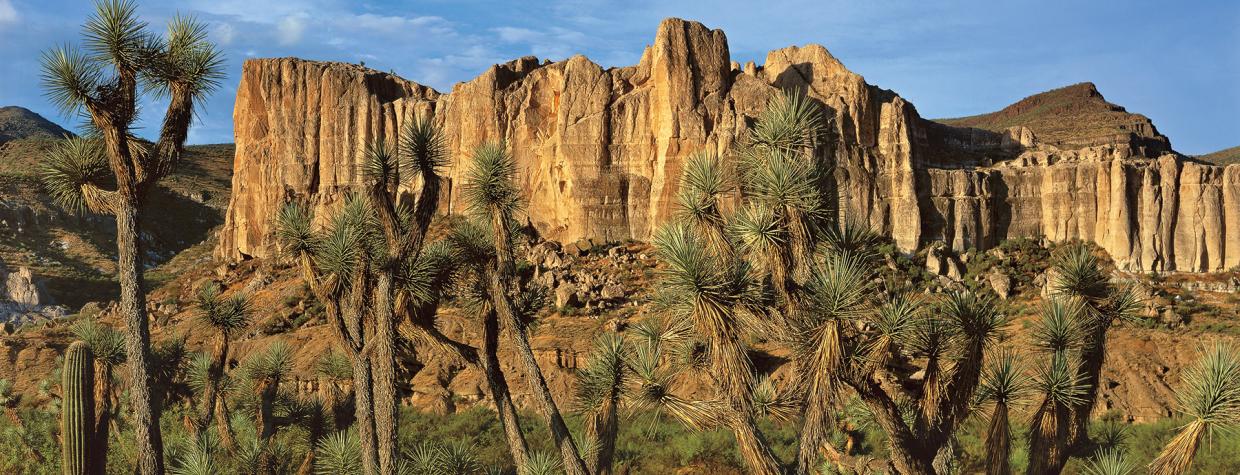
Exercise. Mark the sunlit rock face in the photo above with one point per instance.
(601, 151)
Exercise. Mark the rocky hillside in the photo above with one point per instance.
(1075, 116)
(20, 123)
(72, 257)
(1225, 156)
(601, 151)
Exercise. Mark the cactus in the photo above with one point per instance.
(77, 415)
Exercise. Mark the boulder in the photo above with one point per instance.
(566, 296)
(1001, 283)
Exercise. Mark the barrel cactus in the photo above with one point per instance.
(78, 408)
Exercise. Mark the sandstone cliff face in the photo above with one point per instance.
(601, 151)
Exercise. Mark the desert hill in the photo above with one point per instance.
(1225, 156)
(19, 123)
(72, 256)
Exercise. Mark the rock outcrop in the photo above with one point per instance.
(601, 150)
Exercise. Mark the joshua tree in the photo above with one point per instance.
(1209, 395)
(362, 267)
(123, 61)
(461, 262)
(264, 372)
(492, 194)
(108, 346)
(227, 316)
(601, 385)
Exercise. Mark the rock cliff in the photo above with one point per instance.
(601, 151)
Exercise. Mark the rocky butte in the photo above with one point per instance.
(601, 151)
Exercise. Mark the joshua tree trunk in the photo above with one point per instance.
(266, 423)
(138, 337)
(999, 442)
(906, 451)
(602, 427)
(364, 408)
(1093, 355)
(509, 420)
(384, 363)
(573, 464)
(228, 441)
(1048, 439)
(103, 417)
(498, 290)
(214, 374)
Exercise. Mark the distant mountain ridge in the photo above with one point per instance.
(1225, 156)
(1073, 116)
(18, 122)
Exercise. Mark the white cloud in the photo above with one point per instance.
(224, 33)
(291, 28)
(8, 14)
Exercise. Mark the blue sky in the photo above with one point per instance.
(1177, 62)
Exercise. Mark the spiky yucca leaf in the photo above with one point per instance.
(1109, 462)
(851, 236)
(784, 180)
(198, 459)
(272, 363)
(1059, 327)
(769, 401)
(116, 35)
(459, 458)
(894, 323)
(1059, 381)
(338, 454)
(758, 231)
(424, 146)
(791, 121)
(293, 229)
(490, 183)
(70, 77)
(335, 365)
(975, 319)
(228, 315)
(68, 166)
(543, 463)
(1209, 395)
(702, 183)
(380, 164)
(185, 58)
(107, 343)
(1079, 273)
(603, 377)
(1004, 379)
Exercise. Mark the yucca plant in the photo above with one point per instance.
(601, 385)
(1209, 395)
(263, 372)
(338, 454)
(123, 62)
(1059, 383)
(492, 195)
(227, 316)
(1079, 274)
(1111, 461)
(1003, 385)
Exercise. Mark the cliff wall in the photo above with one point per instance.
(601, 151)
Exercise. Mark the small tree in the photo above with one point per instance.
(108, 346)
(492, 194)
(227, 316)
(112, 172)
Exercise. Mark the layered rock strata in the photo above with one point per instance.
(600, 151)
